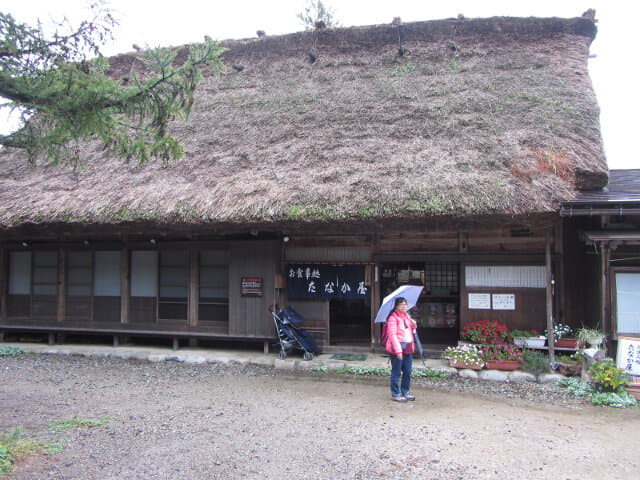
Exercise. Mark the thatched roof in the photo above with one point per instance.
(461, 125)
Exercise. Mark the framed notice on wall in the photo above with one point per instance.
(251, 287)
(479, 301)
(503, 301)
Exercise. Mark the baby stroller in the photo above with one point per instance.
(290, 335)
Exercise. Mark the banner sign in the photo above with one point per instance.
(340, 282)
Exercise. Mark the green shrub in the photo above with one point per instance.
(607, 377)
(575, 387)
(535, 362)
(620, 399)
(9, 351)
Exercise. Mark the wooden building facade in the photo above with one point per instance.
(435, 153)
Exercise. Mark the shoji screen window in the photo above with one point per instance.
(78, 302)
(106, 286)
(19, 299)
(144, 287)
(174, 285)
(213, 307)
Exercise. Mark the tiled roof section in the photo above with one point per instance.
(624, 187)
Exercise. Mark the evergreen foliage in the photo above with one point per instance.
(59, 85)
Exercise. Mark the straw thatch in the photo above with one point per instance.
(476, 118)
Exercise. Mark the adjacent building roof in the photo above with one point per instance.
(458, 118)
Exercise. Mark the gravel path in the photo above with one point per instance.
(176, 421)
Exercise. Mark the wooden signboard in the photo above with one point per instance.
(251, 287)
(628, 357)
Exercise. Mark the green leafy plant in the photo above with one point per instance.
(535, 362)
(576, 387)
(607, 377)
(75, 422)
(613, 399)
(523, 333)
(13, 446)
(9, 351)
(589, 335)
(485, 331)
(429, 373)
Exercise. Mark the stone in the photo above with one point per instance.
(284, 364)
(549, 377)
(196, 360)
(155, 358)
(493, 375)
(521, 377)
(467, 373)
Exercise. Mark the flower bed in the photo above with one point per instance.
(464, 356)
(485, 331)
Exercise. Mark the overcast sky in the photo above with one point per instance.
(162, 22)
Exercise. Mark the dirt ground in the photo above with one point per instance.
(175, 421)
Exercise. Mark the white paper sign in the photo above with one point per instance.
(503, 301)
(628, 357)
(479, 301)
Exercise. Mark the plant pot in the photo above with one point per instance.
(570, 369)
(567, 343)
(634, 390)
(595, 341)
(458, 364)
(519, 341)
(503, 364)
(534, 342)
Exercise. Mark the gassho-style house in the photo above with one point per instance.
(323, 169)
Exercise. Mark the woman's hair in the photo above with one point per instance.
(396, 301)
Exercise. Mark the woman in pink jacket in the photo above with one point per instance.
(401, 346)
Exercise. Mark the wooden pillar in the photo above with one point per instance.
(124, 285)
(4, 282)
(62, 287)
(194, 288)
(604, 288)
(547, 254)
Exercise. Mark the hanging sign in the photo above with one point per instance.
(628, 356)
(251, 287)
(309, 281)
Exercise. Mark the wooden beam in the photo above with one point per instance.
(604, 286)
(4, 282)
(124, 285)
(62, 287)
(194, 288)
(551, 340)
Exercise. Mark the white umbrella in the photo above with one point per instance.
(410, 292)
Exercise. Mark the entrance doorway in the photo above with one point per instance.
(350, 321)
(438, 310)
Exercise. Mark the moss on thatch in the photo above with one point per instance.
(444, 130)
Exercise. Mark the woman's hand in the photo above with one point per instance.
(399, 356)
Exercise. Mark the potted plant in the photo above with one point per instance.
(485, 331)
(502, 356)
(528, 338)
(464, 356)
(569, 365)
(563, 336)
(591, 336)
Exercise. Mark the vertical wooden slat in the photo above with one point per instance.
(62, 287)
(547, 251)
(194, 287)
(4, 282)
(124, 285)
